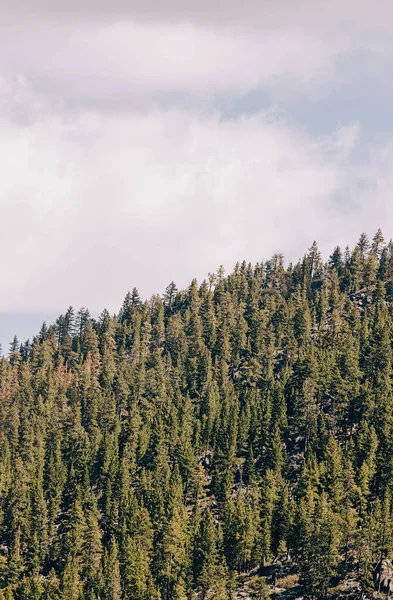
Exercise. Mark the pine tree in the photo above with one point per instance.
(112, 571)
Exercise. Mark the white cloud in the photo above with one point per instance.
(103, 189)
(127, 54)
(119, 62)
(258, 13)
(93, 205)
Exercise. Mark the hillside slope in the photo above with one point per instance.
(231, 440)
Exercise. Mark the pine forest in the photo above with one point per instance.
(230, 440)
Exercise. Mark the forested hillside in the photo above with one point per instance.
(241, 426)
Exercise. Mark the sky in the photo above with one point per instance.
(144, 142)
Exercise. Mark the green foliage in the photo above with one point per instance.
(162, 452)
(260, 589)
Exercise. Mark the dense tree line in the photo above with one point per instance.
(158, 453)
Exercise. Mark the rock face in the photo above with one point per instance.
(384, 576)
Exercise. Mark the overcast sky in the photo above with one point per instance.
(149, 141)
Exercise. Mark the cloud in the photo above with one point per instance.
(127, 55)
(258, 13)
(119, 62)
(119, 170)
(93, 205)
